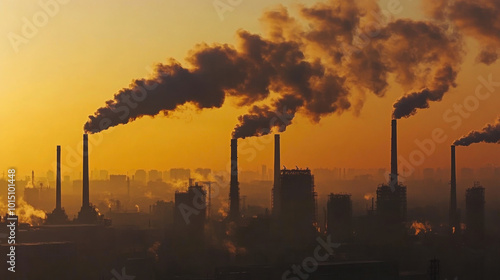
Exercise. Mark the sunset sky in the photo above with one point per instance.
(89, 50)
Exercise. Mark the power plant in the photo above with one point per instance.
(339, 217)
(178, 239)
(475, 212)
(391, 197)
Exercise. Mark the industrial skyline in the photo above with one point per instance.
(264, 139)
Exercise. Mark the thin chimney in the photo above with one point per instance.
(58, 179)
(277, 175)
(234, 191)
(453, 193)
(85, 202)
(394, 155)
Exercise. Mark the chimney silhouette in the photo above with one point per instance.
(277, 175)
(453, 194)
(234, 191)
(58, 179)
(85, 202)
(394, 155)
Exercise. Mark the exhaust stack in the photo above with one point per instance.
(394, 155)
(234, 191)
(85, 200)
(454, 223)
(58, 179)
(277, 176)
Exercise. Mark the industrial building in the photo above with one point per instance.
(297, 198)
(391, 197)
(190, 210)
(339, 217)
(474, 212)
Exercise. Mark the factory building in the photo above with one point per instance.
(474, 212)
(190, 210)
(391, 197)
(339, 217)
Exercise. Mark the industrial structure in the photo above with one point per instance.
(297, 199)
(234, 189)
(88, 214)
(277, 177)
(454, 213)
(474, 212)
(391, 198)
(190, 210)
(339, 217)
(58, 216)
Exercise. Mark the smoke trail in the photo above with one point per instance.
(323, 62)
(488, 134)
(475, 18)
(407, 105)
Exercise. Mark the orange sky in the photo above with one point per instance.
(89, 50)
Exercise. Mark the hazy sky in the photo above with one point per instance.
(86, 51)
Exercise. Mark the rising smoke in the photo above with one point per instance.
(475, 18)
(488, 134)
(323, 62)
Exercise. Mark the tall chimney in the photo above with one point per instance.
(277, 175)
(85, 202)
(234, 190)
(453, 193)
(394, 155)
(58, 179)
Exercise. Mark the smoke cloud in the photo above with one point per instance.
(475, 18)
(488, 134)
(323, 62)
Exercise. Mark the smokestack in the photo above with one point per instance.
(234, 191)
(58, 179)
(277, 175)
(453, 193)
(277, 161)
(85, 202)
(394, 155)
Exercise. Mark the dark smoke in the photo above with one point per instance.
(322, 63)
(475, 18)
(407, 105)
(488, 134)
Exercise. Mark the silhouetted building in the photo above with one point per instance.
(474, 212)
(154, 175)
(339, 216)
(190, 210)
(391, 204)
(140, 175)
(297, 199)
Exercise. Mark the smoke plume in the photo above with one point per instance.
(475, 18)
(323, 62)
(488, 134)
